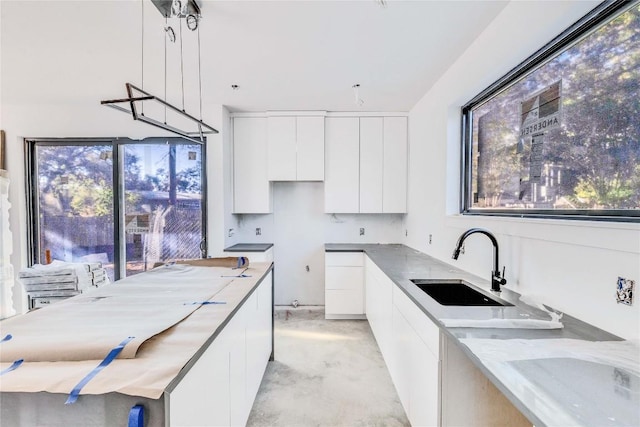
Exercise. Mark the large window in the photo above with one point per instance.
(560, 134)
(127, 204)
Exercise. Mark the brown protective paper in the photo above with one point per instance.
(158, 360)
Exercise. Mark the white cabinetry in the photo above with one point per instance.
(6, 247)
(342, 167)
(221, 386)
(366, 165)
(251, 187)
(344, 285)
(378, 294)
(394, 185)
(371, 159)
(416, 348)
(295, 148)
(410, 345)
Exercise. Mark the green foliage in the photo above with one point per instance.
(603, 193)
(593, 158)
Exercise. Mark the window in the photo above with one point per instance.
(559, 135)
(127, 204)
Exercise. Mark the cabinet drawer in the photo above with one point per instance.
(343, 302)
(355, 259)
(428, 331)
(344, 278)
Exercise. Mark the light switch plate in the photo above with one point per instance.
(624, 291)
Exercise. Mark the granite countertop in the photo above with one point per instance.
(562, 376)
(249, 247)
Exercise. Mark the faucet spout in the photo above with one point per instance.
(496, 278)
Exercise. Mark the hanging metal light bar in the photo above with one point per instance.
(131, 101)
(169, 8)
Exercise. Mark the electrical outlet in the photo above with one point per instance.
(406, 233)
(307, 268)
(258, 231)
(430, 238)
(230, 232)
(362, 231)
(624, 291)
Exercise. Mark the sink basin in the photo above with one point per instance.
(456, 292)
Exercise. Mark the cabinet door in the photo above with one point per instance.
(281, 153)
(251, 187)
(344, 302)
(310, 148)
(344, 259)
(238, 408)
(202, 397)
(423, 392)
(371, 164)
(379, 294)
(343, 278)
(394, 188)
(342, 169)
(258, 338)
(401, 369)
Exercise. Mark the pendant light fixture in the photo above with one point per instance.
(190, 127)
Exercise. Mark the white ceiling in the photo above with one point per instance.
(284, 55)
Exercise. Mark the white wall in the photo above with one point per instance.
(571, 265)
(56, 69)
(299, 228)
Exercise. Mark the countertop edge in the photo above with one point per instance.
(588, 332)
(249, 247)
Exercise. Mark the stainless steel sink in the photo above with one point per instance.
(456, 292)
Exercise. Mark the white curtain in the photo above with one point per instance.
(6, 269)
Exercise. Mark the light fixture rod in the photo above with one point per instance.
(192, 136)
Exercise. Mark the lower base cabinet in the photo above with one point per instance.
(378, 295)
(344, 285)
(220, 388)
(409, 342)
(436, 382)
(416, 365)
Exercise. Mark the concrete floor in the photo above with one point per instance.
(325, 373)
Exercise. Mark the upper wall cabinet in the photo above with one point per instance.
(366, 165)
(342, 165)
(295, 148)
(394, 168)
(251, 187)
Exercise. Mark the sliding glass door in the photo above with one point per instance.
(128, 204)
(75, 206)
(163, 206)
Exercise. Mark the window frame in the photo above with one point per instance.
(580, 29)
(32, 202)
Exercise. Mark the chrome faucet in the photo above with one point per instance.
(496, 278)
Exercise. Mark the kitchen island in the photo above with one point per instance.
(513, 374)
(201, 366)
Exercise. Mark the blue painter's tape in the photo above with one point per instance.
(73, 396)
(6, 338)
(136, 416)
(242, 261)
(15, 365)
